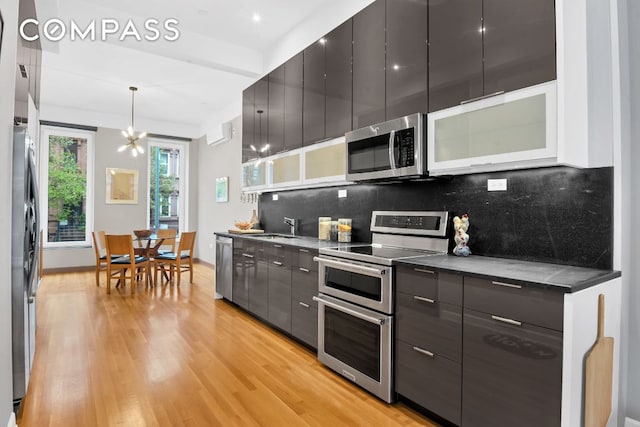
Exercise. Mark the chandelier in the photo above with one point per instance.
(130, 134)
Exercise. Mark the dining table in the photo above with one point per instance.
(148, 247)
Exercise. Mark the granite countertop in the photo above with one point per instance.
(564, 278)
(298, 241)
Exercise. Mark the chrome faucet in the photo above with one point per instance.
(292, 223)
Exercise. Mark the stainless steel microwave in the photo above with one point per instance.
(391, 150)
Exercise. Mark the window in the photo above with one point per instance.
(67, 183)
(167, 185)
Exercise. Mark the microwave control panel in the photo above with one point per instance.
(404, 148)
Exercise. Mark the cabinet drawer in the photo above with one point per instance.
(280, 255)
(304, 322)
(436, 327)
(305, 260)
(536, 306)
(304, 286)
(432, 382)
(512, 375)
(431, 284)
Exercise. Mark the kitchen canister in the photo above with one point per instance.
(324, 228)
(344, 230)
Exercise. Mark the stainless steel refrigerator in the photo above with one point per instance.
(25, 253)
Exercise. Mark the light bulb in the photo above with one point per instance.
(134, 152)
(130, 129)
(140, 149)
(125, 134)
(142, 135)
(123, 147)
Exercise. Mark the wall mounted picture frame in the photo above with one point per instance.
(222, 189)
(122, 186)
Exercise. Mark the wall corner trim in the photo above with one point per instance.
(12, 420)
(630, 422)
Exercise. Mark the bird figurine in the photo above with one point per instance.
(461, 238)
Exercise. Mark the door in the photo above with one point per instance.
(293, 69)
(313, 98)
(167, 196)
(248, 109)
(276, 110)
(338, 84)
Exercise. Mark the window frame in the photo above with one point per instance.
(89, 136)
(183, 205)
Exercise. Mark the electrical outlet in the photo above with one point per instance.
(210, 245)
(342, 194)
(497, 184)
(274, 197)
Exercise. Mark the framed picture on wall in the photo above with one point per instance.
(122, 186)
(222, 189)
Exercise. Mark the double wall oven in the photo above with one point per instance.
(355, 301)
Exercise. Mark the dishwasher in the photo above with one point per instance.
(224, 268)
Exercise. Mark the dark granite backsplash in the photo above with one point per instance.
(560, 214)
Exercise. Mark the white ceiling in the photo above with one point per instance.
(221, 51)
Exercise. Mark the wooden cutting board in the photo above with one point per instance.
(249, 231)
(598, 376)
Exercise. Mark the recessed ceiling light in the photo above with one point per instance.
(256, 17)
(322, 40)
(203, 12)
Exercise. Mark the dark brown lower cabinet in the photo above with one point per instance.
(433, 382)
(257, 282)
(304, 310)
(279, 277)
(512, 374)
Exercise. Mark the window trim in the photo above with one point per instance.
(183, 207)
(45, 133)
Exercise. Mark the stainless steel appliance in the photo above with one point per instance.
(355, 301)
(394, 149)
(224, 267)
(25, 252)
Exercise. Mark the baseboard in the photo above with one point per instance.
(631, 423)
(59, 270)
(12, 420)
(199, 261)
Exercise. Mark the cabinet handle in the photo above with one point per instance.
(430, 301)
(303, 270)
(507, 285)
(303, 304)
(500, 92)
(505, 320)
(277, 246)
(422, 270)
(278, 263)
(247, 256)
(304, 250)
(425, 352)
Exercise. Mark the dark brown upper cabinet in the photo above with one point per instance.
(248, 113)
(338, 80)
(261, 117)
(455, 52)
(480, 48)
(276, 110)
(368, 65)
(313, 105)
(406, 57)
(293, 71)
(519, 43)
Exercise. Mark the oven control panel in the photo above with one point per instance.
(410, 222)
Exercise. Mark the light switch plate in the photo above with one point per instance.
(497, 184)
(274, 197)
(342, 194)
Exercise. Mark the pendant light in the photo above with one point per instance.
(130, 134)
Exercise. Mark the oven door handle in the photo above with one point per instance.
(354, 268)
(347, 310)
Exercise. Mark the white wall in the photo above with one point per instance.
(214, 162)
(9, 9)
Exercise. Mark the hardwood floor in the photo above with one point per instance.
(172, 356)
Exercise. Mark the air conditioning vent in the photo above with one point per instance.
(220, 134)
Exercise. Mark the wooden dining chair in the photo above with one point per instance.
(101, 253)
(169, 243)
(121, 257)
(178, 261)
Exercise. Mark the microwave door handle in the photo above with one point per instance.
(392, 159)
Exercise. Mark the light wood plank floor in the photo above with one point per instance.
(176, 357)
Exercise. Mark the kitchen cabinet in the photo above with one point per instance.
(512, 355)
(279, 277)
(506, 131)
(338, 80)
(479, 48)
(293, 81)
(406, 58)
(248, 113)
(254, 175)
(313, 105)
(261, 116)
(257, 283)
(369, 65)
(276, 111)
(428, 346)
(304, 286)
